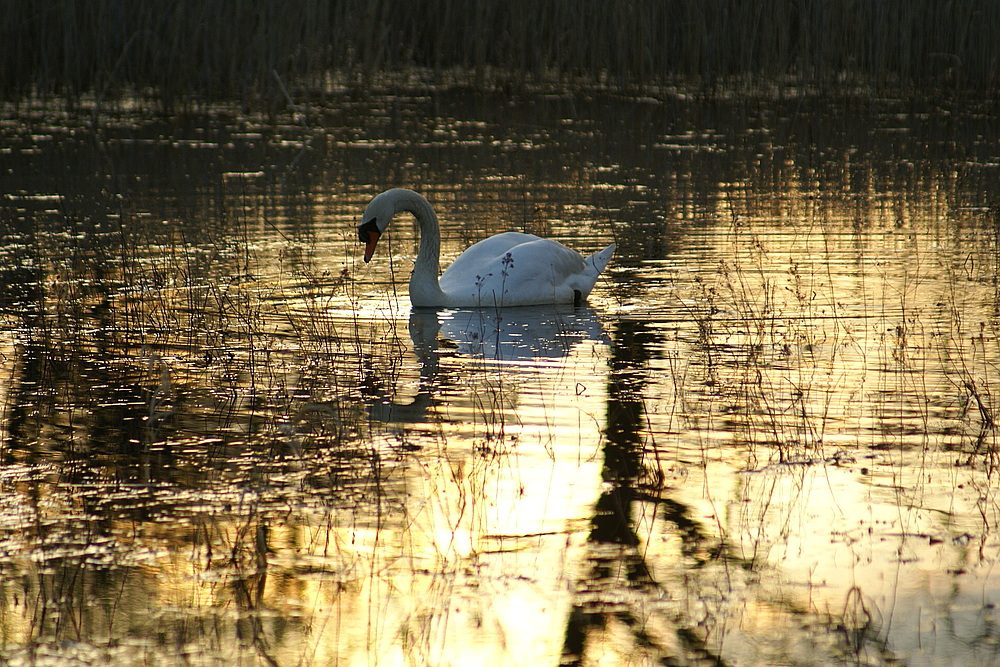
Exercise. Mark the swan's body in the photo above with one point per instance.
(509, 269)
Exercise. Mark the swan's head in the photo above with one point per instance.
(379, 214)
(376, 218)
(369, 233)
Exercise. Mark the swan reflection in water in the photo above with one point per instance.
(504, 336)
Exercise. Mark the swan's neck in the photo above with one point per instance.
(424, 287)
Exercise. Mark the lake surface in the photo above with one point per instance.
(769, 438)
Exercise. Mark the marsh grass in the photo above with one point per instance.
(173, 335)
(160, 375)
(773, 369)
(255, 51)
(196, 404)
(772, 354)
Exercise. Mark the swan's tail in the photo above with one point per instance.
(599, 260)
(596, 263)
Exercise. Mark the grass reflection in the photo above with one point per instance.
(819, 410)
(771, 440)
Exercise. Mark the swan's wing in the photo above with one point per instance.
(519, 269)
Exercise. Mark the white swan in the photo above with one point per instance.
(509, 269)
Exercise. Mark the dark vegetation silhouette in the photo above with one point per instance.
(259, 50)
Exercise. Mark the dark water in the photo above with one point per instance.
(770, 437)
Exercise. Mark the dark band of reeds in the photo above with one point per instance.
(245, 48)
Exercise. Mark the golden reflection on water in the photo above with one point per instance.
(770, 440)
(852, 371)
(470, 558)
(472, 562)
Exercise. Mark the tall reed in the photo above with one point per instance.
(245, 50)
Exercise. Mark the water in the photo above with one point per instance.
(768, 439)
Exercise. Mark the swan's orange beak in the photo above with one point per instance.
(370, 244)
(369, 234)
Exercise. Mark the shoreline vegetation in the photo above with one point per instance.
(261, 52)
